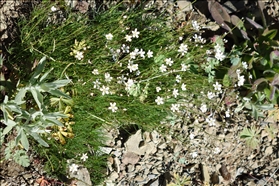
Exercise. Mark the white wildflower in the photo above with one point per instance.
(210, 121)
(241, 80)
(133, 55)
(125, 49)
(194, 154)
(128, 38)
(244, 64)
(113, 107)
(96, 84)
(104, 90)
(169, 62)
(198, 39)
(108, 78)
(178, 78)
(216, 150)
(175, 92)
(159, 100)
(210, 95)
(183, 87)
(184, 67)
(84, 157)
(129, 84)
(95, 72)
(195, 25)
(79, 55)
(73, 168)
(192, 136)
(149, 54)
(141, 53)
(109, 36)
(203, 108)
(121, 80)
(175, 107)
(158, 89)
(227, 113)
(217, 86)
(132, 67)
(163, 68)
(135, 34)
(219, 54)
(183, 49)
(53, 9)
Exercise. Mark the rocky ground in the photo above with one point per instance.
(191, 150)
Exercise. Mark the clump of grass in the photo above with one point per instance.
(125, 70)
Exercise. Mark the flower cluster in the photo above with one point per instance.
(219, 54)
(78, 49)
(73, 168)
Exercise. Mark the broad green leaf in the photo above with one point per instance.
(235, 61)
(39, 139)
(226, 80)
(59, 93)
(18, 130)
(274, 55)
(38, 97)
(55, 115)
(254, 112)
(250, 137)
(20, 95)
(54, 101)
(159, 59)
(57, 84)
(21, 158)
(15, 108)
(45, 75)
(5, 112)
(267, 93)
(69, 102)
(239, 108)
(53, 121)
(257, 82)
(265, 106)
(6, 99)
(38, 70)
(10, 125)
(134, 90)
(24, 140)
(270, 34)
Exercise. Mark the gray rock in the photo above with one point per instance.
(82, 176)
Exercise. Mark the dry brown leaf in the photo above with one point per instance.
(224, 172)
(268, 151)
(130, 157)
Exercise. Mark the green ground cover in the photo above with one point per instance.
(122, 67)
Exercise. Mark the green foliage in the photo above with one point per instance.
(18, 155)
(180, 180)
(259, 51)
(77, 46)
(35, 118)
(250, 136)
